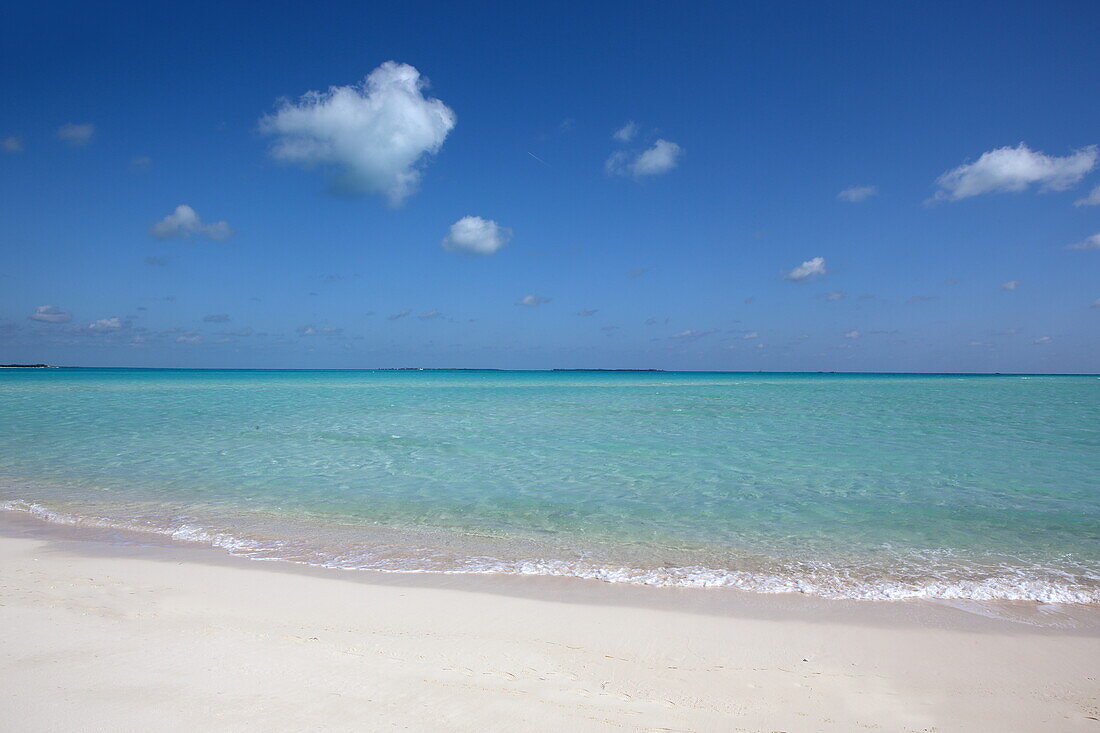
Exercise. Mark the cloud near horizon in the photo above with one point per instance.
(808, 269)
(185, 221)
(370, 138)
(1015, 169)
(475, 235)
(50, 314)
(532, 300)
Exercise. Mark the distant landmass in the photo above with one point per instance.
(27, 366)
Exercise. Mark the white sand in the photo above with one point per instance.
(98, 637)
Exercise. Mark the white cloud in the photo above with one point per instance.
(532, 300)
(1010, 285)
(751, 335)
(1092, 242)
(476, 235)
(50, 314)
(13, 144)
(587, 311)
(856, 194)
(1043, 340)
(216, 318)
(185, 221)
(399, 314)
(835, 295)
(76, 135)
(690, 335)
(853, 334)
(626, 133)
(429, 315)
(189, 339)
(105, 324)
(1015, 169)
(808, 269)
(1093, 199)
(661, 158)
(369, 138)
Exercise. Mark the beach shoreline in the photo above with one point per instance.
(176, 636)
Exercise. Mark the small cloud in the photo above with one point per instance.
(978, 343)
(76, 135)
(185, 221)
(690, 335)
(1093, 199)
(625, 133)
(920, 299)
(748, 300)
(855, 194)
(1007, 332)
(50, 314)
(105, 324)
(1043, 340)
(853, 334)
(371, 138)
(476, 235)
(399, 314)
(216, 318)
(835, 295)
(12, 144)
(808, 269)
(1092, 242)
(751, 335)
(637, 272)
(587, 312)
(433, 313)
(306, 330)
(141, 163)
(532, 300)
(609, 329)
(1015, 169)
(193, 338)
(661, 158)
(157, 261)
(567, 125)
(1010, 285)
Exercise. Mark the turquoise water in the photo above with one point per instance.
(862, 486)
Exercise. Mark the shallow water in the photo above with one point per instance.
(862, 486)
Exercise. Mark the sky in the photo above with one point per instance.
(855, 186)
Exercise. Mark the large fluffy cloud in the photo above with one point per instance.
(50, 314)
(1015, 169)
(476, 235)
(368, 138)
(661, 158)
(185, 221)
(808, 269)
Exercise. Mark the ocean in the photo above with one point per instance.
(874, 486)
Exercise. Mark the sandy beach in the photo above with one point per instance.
(105, 635)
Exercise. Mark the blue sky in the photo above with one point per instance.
(567, 185)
